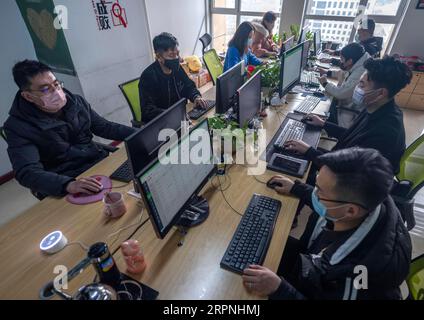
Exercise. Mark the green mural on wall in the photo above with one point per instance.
(49, 43)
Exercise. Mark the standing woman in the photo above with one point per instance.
(238, 47)
(263, 45)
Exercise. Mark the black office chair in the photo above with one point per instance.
(379, 41)
(206, 40)
(2, 133)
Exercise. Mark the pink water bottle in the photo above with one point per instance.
(133, 256)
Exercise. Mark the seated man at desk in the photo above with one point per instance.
(352, 58)
(365, 37)
(355, 245)
(380, 123)
(164, 82)
(50, 134)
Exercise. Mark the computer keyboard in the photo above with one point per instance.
(198, 112)
(325, 56)
(123, 173)
(293, 130)
(308, 105)
(310, 78)
(251, 240)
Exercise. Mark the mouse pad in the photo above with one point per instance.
(81, 198)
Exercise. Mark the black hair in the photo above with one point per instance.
(368, 24)
(353, 51)
(364, 176)
(388, 73)
(269, 17)
(241, 37)
(24, 70)
(164, 42)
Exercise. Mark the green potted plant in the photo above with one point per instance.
(270, 77)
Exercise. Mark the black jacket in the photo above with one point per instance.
(159, 91)
(382, 130)
(381, 244)
(48, 152)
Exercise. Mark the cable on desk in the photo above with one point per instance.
(81, 244)
(118, 233)
(225, 198)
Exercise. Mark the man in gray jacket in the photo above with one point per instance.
(352, 58)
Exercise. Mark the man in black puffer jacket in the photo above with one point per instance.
(50, 134)
(355, 245)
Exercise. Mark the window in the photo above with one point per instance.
(386, 13)
(321, 5)
(226, 15)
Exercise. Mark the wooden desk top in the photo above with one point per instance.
(188, 272)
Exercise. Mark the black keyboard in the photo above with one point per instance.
(198, 112)
(251, 240)
(123, 173)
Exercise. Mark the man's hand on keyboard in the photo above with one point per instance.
(260, 280)
(297, 146)
(200, 102)
(284, 185)
(314, 120)
(323, 79)
(325, 60)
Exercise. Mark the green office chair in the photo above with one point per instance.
(3, 133)
(132, 95)
(213, 64)
(415, 279)
(409, 181)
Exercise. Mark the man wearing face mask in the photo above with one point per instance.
(343, 110)
(50, 134)
(355, 245)
(380, 123)
(164, 82)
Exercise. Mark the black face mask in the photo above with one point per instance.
(173, 64)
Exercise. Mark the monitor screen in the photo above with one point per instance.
(305, 55)
(167, 188)
(291, 63)
(287, 45)
(317, 42)
(249, 99)
(227, 85)
(142, 147)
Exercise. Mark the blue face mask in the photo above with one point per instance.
(321, 209)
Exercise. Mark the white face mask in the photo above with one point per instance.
(358, 96)
(53, 101)
(250, 42)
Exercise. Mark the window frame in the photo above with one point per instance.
(379, 19)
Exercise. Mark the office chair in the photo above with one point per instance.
(379, 41)
(2, 133)
(410, 180)
(415, 279)
(213, 64)
(131, 93)
(206, 40)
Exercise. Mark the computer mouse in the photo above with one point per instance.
(272, 184)
(305, 119)
(318, 94)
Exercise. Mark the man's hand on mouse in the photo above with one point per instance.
(323, 79)
(200, 102)
(87, 185)
(296, 146)
(284, 184)
(314, 120)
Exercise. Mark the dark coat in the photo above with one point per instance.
(159, 91)
(47, 152)
(382, 244)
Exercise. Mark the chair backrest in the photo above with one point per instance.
(379, 41)
(206, 40)
(213, 64)
(412, 165)
(415, 279)
(3, 133)
(132, 95)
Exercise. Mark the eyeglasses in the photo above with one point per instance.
(56, 85)
(337, 201)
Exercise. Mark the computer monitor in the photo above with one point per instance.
(287, 45)
(291, 63)
(142, 147)
(305, 54)
(302, 36)
(249, 99)
(167, 189)
(227, 85)
(317, 42)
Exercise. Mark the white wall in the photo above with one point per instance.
(183, 18)
(410, 39)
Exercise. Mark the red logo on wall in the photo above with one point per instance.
(109, 11)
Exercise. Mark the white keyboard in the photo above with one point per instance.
(308, 105)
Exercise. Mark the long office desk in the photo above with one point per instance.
(190, 271)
